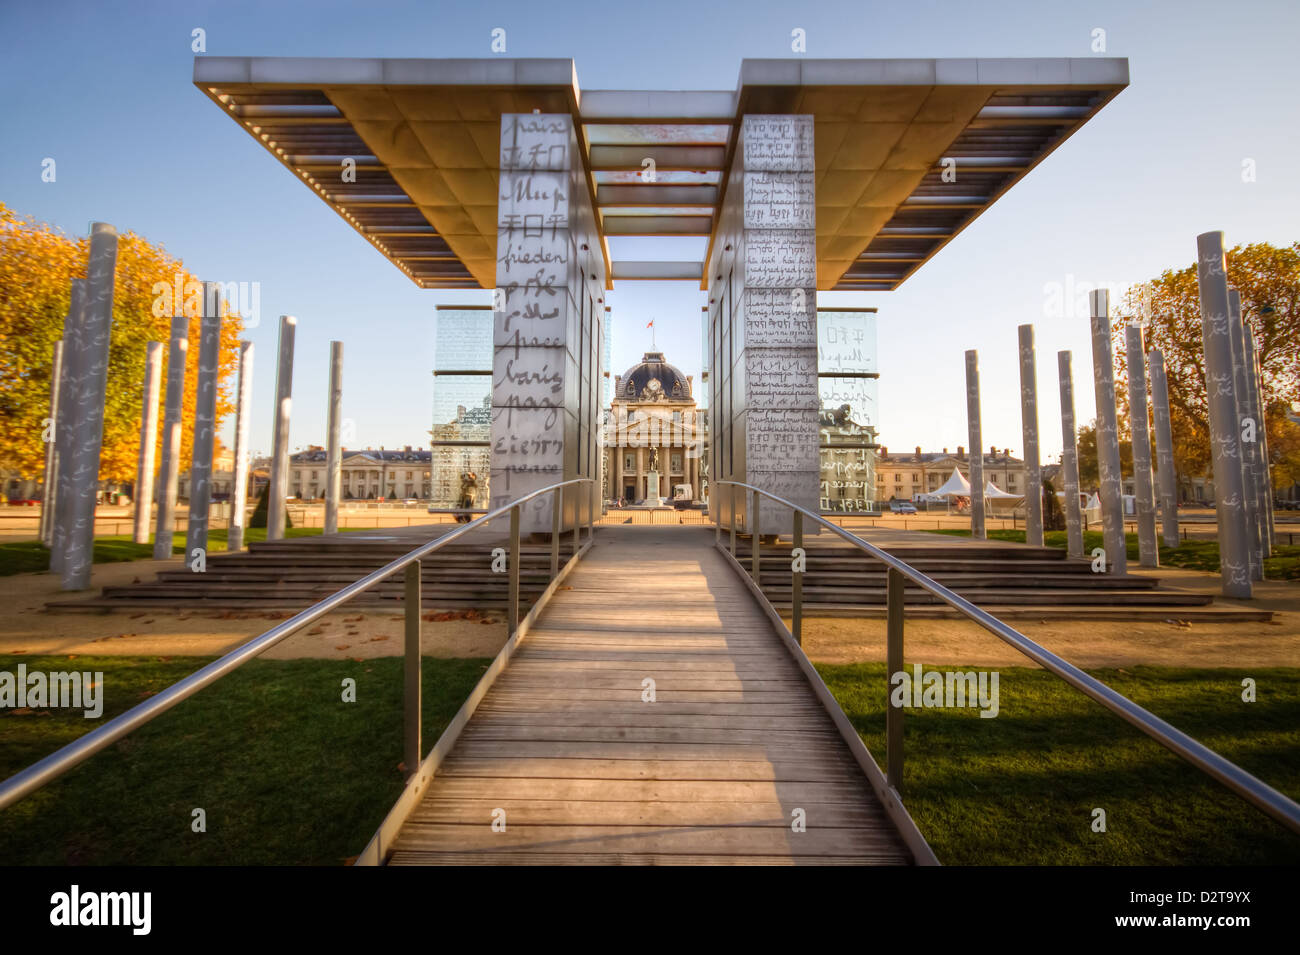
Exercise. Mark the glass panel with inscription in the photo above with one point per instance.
(462, 407)
(847, 377)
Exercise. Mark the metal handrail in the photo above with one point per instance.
(1250, 788)
(79, 750)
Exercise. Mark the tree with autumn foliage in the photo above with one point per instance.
(37, 265)
(1168, 307)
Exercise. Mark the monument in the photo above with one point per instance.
(503, 175)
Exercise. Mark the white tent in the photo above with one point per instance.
(994, 493)
(955, 486)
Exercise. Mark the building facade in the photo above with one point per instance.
(365, 474)
(904, 477)
(653, 425)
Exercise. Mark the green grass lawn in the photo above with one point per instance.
(286, 772)
(1019, 789)
(27, 557)
(1284, 564)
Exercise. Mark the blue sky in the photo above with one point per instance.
(105, 89)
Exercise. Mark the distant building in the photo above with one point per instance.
(904, 477)
(653, 419)
(366, 474)
(223, 477)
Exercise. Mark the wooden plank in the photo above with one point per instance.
(784, 770)
(772, 814)
(640, 790)
(737, 840)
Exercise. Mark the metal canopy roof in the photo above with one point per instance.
(424, 137)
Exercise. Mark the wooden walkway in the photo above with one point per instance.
(712, 771)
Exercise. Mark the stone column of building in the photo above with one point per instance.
(763, 271)
(278, 488)
(169, 466)
(1263, 475)
(66, 426)
(1165, 473)
(977, 526)
(334, 451)
(1241, 393)
(86, 409)
(144, 467)
(1111, 491)
(49, 480)
(1070, 458)
(243, 422)
(548, 324)
(1029, 428)
(203, 446)
(1225, 444)
(1143, 481)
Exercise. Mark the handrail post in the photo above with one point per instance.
(591, 513)
(796, 581)
(753, 558)
(894, 584)
(731, 496)
(512, 617)
(412, 703)
(557, 505)
(577, 526)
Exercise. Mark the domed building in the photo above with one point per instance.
(653, 425)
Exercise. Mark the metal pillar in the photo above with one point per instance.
(1143, 482)
(1070, 458)
(1165, 473)
(205, 428)
(1229, 489)
(1264, 476)
(49, 480)
(243, 421)
(412, 708)
(144, 467)
(977, 526)
(1029, 427)
(1108, 467)
(65, 430)
(87, 407)
(894, 584)
(170, 465)
(334, 452)
(279, 484)
(1250, 460)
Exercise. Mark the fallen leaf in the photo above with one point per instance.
(377, 639)
(343, 646)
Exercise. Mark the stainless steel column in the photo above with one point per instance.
(1225, 444)
(65, 429)
(977, 526)
(1108, 467)
(49, 480)
(87, 407)
(279, 484)
(1260, 412)
(1143, 481)
(1070, 458)
(170, 465)
(333, 454)
(205, 426)
(1165, 472)
(144, 466)
(1241, 392)
(243, 421)
(1029, 428)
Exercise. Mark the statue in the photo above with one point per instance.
(654, 459)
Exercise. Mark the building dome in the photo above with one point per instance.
(653, 378)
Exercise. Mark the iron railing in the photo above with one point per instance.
(1250, 788)
(62, 760)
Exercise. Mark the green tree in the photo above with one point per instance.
(1168, 307)
(37, 265)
